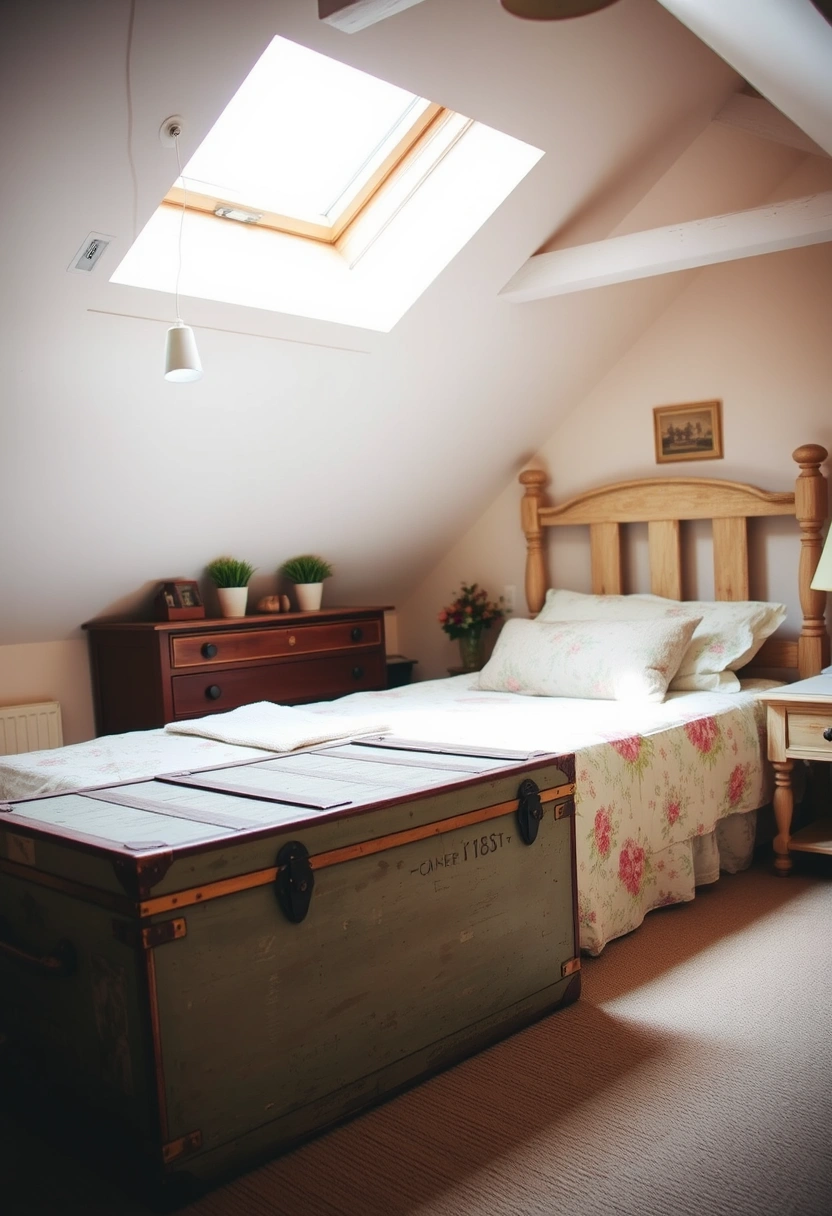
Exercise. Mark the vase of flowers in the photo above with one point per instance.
(466, 619)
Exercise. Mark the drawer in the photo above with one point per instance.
(240, 646)
(805, 731)
(312, 680)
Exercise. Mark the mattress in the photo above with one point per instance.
(664, 791)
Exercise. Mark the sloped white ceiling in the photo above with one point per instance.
(376, 450)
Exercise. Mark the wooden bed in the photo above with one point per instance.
(663, 503)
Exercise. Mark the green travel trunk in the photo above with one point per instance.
(224, 962)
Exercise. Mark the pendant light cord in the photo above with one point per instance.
(175, 132)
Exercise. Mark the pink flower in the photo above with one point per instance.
(736, 785)
(703, 734)
(603, 832)
(629, 749)
(631, 866)
(672, 811)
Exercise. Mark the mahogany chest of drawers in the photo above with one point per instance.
(147, 673)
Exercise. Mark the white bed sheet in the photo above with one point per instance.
(661, 805)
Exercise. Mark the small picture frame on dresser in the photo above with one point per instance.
(179, 600)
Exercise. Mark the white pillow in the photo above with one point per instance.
(602, 660)
(729, 634)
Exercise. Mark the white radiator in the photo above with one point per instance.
(28, 728)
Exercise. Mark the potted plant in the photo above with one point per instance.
(230, 577)
(307, 572)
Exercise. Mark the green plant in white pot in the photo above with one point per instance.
(231, 576)
(307, 572)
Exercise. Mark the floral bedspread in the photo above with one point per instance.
(663, 790)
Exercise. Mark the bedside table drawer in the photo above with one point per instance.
(805, 731)
(207, 649)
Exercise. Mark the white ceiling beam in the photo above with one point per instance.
(782, 47)
(759, 117)
(354, 15)
(639, 255)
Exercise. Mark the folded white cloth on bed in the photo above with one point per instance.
(276, 728)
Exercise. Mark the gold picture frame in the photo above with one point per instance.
(688, 432)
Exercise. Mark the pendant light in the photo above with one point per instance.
(182, 363)
(553, 10)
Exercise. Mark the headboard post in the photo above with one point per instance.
(533, 481)
(811, 505)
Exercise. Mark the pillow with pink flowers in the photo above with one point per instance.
(600, 660)
(728, 636)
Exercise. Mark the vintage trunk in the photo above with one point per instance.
(226, 961)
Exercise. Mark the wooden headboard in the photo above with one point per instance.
(662, 503)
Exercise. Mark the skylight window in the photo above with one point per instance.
(340, 197)
(304, 143)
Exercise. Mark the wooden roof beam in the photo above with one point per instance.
(760, 117)
(639, 255)
(354, 15)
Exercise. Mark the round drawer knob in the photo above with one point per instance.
(292, 639)
(213, 691)
(357, 673)
(357, 633)
(827, 734)
(209, 650)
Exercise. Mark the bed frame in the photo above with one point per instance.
(662, 503)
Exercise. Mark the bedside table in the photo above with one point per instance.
(799, 724)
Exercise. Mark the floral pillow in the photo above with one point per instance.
(729, 633)
(601, 660)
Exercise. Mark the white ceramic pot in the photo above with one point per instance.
(309, 596)
(233, 600)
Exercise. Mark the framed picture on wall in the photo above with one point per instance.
(688, 432)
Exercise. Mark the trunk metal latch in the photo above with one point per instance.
(529, 810)
(295, 881)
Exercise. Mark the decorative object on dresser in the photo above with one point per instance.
(307, 572)
(179, 600)
(688, 432)
(274, 603)
(470, 613)
(231, 578)
(147, 673)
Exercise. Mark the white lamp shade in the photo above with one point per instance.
(181, 355)
(553, 10)
(822, 580)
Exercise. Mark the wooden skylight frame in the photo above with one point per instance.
(326, 230)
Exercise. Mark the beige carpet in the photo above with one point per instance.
(693, 1076)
